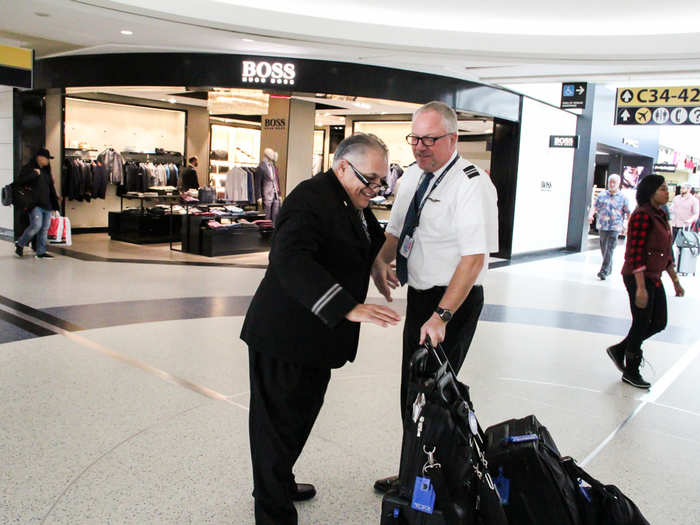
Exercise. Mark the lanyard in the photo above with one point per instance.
(437, 183)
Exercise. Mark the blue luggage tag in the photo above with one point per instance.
(502, 486)
(523, 438)
(584, 491)
(423, 496)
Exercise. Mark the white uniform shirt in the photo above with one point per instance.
(460, 217)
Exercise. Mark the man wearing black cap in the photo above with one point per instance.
(36, 175)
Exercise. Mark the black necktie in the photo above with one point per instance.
(363, 221)
(409, 226)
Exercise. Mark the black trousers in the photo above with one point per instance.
(645, 321)
(458, 335)
(285, 399)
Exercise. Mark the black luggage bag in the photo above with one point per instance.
(533, 484)
(443, 476)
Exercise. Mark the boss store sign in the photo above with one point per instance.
(263, 72)
(563, 141)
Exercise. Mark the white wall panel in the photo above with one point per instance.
(544, 179)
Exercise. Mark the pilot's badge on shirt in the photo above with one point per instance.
(407, 246)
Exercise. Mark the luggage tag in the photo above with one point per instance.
(406, 247)
(523, 438)
(584, 491)
(502, 486)
(423, 496)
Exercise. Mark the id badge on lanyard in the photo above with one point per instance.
(407, 246)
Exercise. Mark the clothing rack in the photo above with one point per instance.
(162, 158)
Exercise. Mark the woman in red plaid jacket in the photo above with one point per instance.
(647, 256)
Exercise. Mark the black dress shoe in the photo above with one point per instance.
(19, 251)
(386, 484)
(303, 492)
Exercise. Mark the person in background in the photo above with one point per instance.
(647, 256)
(190, 180)
(612, 209)
(37, 175)
(684, 209)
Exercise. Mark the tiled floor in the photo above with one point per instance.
(135, 411)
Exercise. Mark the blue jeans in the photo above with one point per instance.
(39, 222)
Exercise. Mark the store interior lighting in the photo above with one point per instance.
(238, 101)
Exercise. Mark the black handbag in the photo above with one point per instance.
(442, 443)
(602, 504)
(23, 198)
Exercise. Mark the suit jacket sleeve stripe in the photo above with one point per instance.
(299, 240)
(333, 290)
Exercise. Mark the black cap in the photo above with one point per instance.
(43, 152)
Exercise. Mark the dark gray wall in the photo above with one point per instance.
(595, 126)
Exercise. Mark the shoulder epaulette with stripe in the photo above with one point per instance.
(471, 171)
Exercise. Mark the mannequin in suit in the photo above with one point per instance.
(267, 184)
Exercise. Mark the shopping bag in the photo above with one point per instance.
(60, 231)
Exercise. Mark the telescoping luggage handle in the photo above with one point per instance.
(447, 382)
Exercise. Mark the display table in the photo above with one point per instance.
(140, 227)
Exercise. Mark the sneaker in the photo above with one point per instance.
(636, 380)
(43, 256)
(601, 276)
(19, 250)
(617, 355)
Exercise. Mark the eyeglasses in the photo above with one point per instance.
(413, 140)
(363, 179)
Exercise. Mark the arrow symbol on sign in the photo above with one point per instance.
(580, 90)
(625, 115)
(627, 96)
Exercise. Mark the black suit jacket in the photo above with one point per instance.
(319, 270)
(43, 189)
(189, 179)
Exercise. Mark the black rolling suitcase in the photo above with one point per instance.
(443, 477)
(535, 487)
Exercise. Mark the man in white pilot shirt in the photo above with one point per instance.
(443, 225)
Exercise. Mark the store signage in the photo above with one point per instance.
(634, 143)
(563, 141)
(16, 65)
(658, 106)
(664, 168)
(273, 72)
(546, 185)
(275, 123)
(573, 95)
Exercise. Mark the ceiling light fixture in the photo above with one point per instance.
(172, 100)
(248, 40)
(126, 32)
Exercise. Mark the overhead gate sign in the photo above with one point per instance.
(658, 106)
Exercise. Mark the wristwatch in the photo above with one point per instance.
(444, 313)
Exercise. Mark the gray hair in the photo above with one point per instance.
(613, 176)
(449, 115)
(357, 145)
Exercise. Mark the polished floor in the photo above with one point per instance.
(124, 390)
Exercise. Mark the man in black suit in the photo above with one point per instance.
(305, 317)
(190, 181)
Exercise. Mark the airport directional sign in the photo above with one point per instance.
(658, 106)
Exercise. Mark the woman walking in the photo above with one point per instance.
(647, 256)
